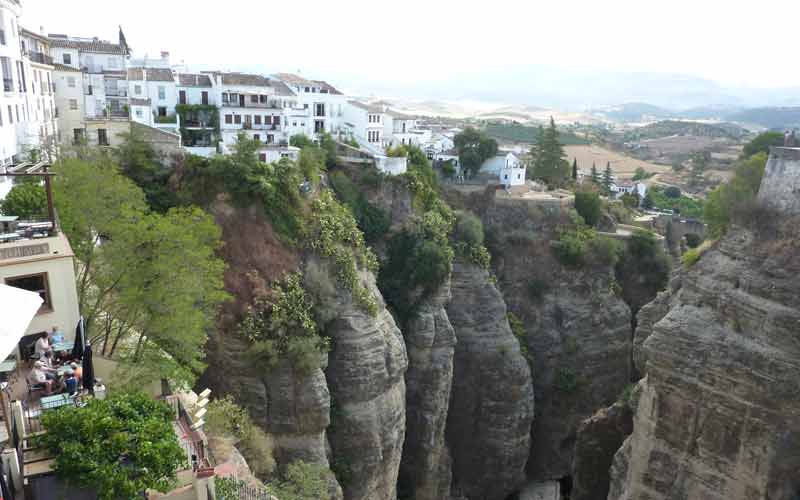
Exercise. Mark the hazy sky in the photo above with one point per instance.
(736, 43)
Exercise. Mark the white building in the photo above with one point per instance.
(319, 108)
(157, 87)
(366, 123)
(91, 88)
(622, 188)
(201, 119)
(40, 131)
(508, 169)
(257, 107)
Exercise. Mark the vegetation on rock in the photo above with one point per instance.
(227, 419)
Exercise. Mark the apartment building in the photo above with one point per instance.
(319, 106)
(40, 132)
(200, 116)
(91, 85)
(366, 123)
(258, 107)
(153, 95)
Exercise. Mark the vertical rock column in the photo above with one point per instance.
(430, 341)
(491, 404)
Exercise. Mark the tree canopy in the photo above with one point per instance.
(26, 200)
(589, 206)
(474, 147)
(119, 446)
(761, 143)
(549, 160)
(726, 200)
(608, 177)
(149, 277)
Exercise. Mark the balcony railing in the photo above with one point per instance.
(39, 57)
(248, 104)
(166, 119)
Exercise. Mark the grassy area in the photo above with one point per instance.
(684, 205)
(514, 132)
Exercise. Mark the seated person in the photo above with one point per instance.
(39, 376)
(48, 367)
(48, 361)
(70, 382)
(42, 346)
(77, 370)
(56, 336)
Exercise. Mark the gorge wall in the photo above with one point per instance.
(718, 413)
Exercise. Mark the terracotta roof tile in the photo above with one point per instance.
(193, 80)
(153, 74)
(96, 46)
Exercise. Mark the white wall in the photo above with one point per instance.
(68, 119)
(57, 53)
(194, 95)
(150, 90)
(97, 63)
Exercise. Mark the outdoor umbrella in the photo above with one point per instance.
(17, 309)
(88, 369)
(80, 339)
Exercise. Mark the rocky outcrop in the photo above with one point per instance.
(719, 412)
(425, 472)
(491, 403)
(579, 335)
(646, 318)
(365, 373)
(597, 439)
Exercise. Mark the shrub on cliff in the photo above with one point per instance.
(643, 269)
(229, 420)
(371, 219)
(734, 200)
(589, 206)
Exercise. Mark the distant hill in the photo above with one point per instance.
(634, 112)
(526, 134)
(772, 118)
(667, 128)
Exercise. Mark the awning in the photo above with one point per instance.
(17, 309)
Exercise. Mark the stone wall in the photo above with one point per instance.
(780, 187)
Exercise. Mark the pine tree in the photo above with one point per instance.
(550, 162)
(574, 169)
(595, 174)
(608, 177)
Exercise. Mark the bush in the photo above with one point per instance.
(572, 245)
(605, 250)
(566, 380)
(672, 192)
(693, 240)
(519, 331)
(589, 206)
(227, 419)
(468, 229)
(643, 269)
(690, 258)
(373, 221)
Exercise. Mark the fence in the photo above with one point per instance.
(230, 488)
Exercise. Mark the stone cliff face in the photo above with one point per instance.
(425, 472)
(365, 373)
(491, 402)
(718, 415)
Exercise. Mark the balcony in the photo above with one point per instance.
(168, 119)
(41, 58)
(252, 105)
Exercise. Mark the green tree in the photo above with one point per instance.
(589, 206)
(595, 174)
(722, 204)
(152, 288)
(141, 163)
(574, 169)
(26, 200)
(608, 178)
(761, 143)
(300, 141)
(699, 162)
(549, 160)
(119, 446)
(474, 147)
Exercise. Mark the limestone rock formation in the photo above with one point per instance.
(365, 374)
(719, 412)
(646, 318)
(597, 439)
(491, 403)
(425, 472)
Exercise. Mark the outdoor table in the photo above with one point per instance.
(57, 401)
(63, 346)
(61, 370)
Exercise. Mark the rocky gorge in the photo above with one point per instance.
(524, 370)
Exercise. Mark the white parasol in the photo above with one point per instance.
(17, 309)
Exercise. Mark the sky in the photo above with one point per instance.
(357, 43)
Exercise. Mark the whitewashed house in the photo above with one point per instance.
(507, 167)
(319, 107)
(91, 88)
(257, 107)
(366, 124)
(158, 87)
(438, 143)
(621, 188)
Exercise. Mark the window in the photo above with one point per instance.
(258, 119)
(102, 137)
(8, 77)
(36, 283)
(73, 104)
(71, 81)
(89, 90)
(10, 114)
(162, 92)
(2, 37)
(256, 137)
(254, 99)
(67, 59)
(77, 136)
(237, 119)
(270, 138)
(308, 89)
(17, 112)
(228, 119)
(162, 111)
(204, 97)
(262, 98)
(319, 110)
(268, 120)
(262, 157)
(139, 113)
(182, 97)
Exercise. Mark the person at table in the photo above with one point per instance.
(56, 335)
(77, 370)
(48, 361)
(42, 345)
(70, 382)
(39, 376)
